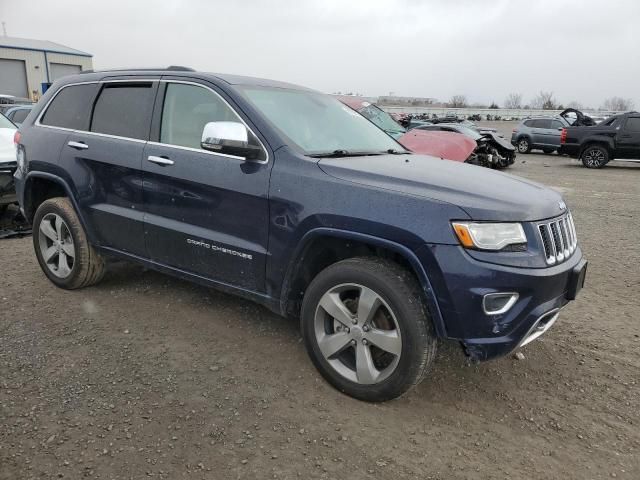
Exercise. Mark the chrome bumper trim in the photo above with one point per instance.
(544, 323)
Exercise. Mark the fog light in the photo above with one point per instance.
(498, 303)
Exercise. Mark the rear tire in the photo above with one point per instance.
(524, 145)
(594, 156)
(61, 246)
(548, 151)
(378, 340)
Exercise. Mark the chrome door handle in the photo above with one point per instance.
(160, 160)
(78, 145)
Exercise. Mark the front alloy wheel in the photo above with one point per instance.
(358, 334)
(367, 329)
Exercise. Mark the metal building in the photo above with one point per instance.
(28, 67)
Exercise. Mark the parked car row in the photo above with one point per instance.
(443, 140)
(288, 197)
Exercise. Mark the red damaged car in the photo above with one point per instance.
(445, 145)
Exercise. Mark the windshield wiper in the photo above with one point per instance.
(343, 153)
(393, 151)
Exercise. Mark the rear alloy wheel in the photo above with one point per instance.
(595, 156)
(524, 146)
(367, 329)
(61, 246)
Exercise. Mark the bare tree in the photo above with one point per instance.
(618, 104)
(544, 100)
(458, 101)
(513, 100)
(574, 104)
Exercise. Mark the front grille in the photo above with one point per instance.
(558, 238)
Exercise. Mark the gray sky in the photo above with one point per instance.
(583, 50)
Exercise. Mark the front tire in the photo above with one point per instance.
(61, 246)
(595, 156)
(367, 329)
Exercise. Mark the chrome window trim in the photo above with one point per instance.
(200, 150)
(37, 123)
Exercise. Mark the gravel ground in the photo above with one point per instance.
(146, 375)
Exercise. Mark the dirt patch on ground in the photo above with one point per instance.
(146, 375)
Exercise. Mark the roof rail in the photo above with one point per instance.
(170, 68)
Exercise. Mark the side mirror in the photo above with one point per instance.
(230, 138)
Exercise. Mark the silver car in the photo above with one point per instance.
(541, 133)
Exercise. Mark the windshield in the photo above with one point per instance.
(319, 123)
(5, 122)
(382, 119)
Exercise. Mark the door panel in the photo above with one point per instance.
(107, 176)
(628, 139)
(103, 154)
(207, 214)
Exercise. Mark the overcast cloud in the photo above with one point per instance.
(583, 50)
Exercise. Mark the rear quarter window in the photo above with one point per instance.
(71, 107)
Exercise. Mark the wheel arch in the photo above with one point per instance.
(337, 245)
(603, 142)
(41, 186)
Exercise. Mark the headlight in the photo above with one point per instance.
(489, 236)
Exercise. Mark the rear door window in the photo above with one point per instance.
(557, 124)
(633, 124)
(124, 110)
(71, 107)
(543, 123)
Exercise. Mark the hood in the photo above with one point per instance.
(7, 148)
(445, 145)
(483, 193)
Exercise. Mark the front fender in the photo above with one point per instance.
(400, 249)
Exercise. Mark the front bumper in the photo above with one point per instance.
(460, 282)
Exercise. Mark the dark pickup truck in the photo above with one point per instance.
(618, 137)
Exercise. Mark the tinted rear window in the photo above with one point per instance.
(124, 110)
(633, 124)
(71, 107)
(557, 124)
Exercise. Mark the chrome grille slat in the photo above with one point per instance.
(558, 237)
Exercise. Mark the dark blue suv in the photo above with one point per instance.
(287, 197)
